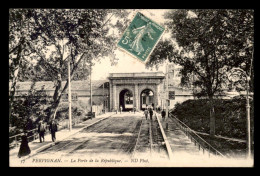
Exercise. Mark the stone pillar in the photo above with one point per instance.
(157, 93)
(110, 95)
(156, 97)
(114, 97)
(136, 97)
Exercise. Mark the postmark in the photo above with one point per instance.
(141, 36)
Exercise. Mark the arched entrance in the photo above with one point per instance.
(126, 100)
(147, 99)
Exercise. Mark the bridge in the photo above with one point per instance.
(126, 138)
(123, 139)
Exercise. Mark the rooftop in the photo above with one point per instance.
(49, 85)
(137, 75)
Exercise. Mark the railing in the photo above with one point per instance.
(202, 144)
(14, 141)
(168, 147)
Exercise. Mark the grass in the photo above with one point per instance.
(230, 122)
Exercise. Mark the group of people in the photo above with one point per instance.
(42, 127)
(53, 128)
(150, 112)
(121, 109)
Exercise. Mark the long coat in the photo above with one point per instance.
(53, 127)
(24, 147)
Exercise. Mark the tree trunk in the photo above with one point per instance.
(56, 98)
(16, 64)
(53, 109)
(58, 92)
(212, 120)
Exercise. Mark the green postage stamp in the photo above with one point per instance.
(141, 37)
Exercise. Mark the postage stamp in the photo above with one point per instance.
(141, 36)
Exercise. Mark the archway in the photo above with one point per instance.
(126, 100)
(146, 99)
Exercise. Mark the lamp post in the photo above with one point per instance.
(247, 112)
(90, 81)
(248, 118)
(167, 95)
(69, 98)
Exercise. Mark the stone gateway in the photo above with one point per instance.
(139, 90)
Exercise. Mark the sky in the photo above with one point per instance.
(127, 63)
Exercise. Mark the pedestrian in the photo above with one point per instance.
(134, 109)
(163, 113)
(24, 147)
(53, 129)
(121, 109)
(41, 130)
(151, 114)
(146, 113)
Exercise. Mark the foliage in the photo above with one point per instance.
(59, 35)
(29, 108)
(163, 51)
(63, 111)
(19, 37)
(210, 43)
(230, 116)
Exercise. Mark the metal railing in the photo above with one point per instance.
(196, 139)
(168, 147)
(15, 141)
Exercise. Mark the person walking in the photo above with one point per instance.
(163, 113)
(24, 147)
(134, 109)
(41, 130)
(151, 114)
(53, 129)
(121, 109)
(146, 113)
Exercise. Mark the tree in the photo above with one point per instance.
(210, 44)
(20, 31)
(78, 35)
(28, 108)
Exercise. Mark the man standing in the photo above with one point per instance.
(121, 109)
(151, 114)
(146, 113)
(41, 130)
(163, 114)
(53, 129)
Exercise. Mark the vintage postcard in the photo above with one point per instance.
(131, 88)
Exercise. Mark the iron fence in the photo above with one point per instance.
(14, 141)
(196, 139)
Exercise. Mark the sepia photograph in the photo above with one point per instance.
(131, 87)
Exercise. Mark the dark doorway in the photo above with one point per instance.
(126, 100)
(146, 99)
